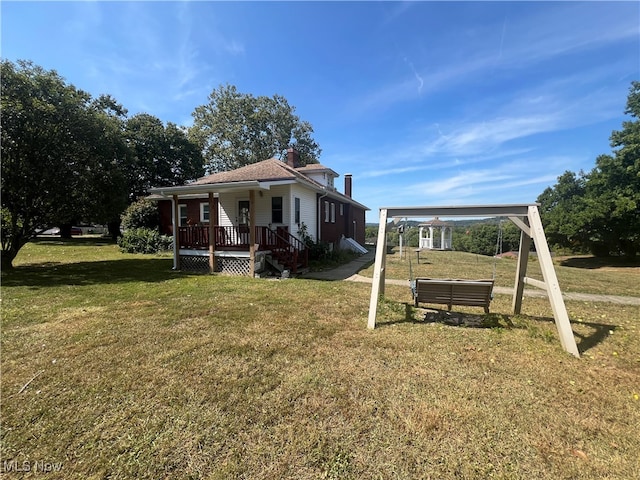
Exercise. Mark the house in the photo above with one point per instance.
(258, 216)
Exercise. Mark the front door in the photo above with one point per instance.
(243, 221)
(243, 213)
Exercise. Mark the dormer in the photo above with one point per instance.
(320, 174)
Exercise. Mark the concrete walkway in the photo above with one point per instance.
(349, 271)
(344, 272)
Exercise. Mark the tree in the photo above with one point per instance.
(613, 189)
(236, 129)
(563, 211)
(161, 156)
(59, 154)
(142, 213)
(110, 189)
(600, 211)
(482, 238)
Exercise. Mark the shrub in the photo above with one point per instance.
(317, 250)
(141, 214)
(144, 240)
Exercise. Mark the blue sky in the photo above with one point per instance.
(425, 103)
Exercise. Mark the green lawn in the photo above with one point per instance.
(114, 366)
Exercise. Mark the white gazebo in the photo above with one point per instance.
(436, 235)
(527, 218)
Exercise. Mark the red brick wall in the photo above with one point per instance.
(331, 232)
(193, 213)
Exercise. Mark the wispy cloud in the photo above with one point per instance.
(502, 35)
(417, 76)
(533, 39)
(149, 60)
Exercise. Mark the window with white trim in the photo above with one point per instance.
(204, 212)
(297, 210)
(326, 212)
(341, 209)
(183, 218)
(333, 212)
(276, 210)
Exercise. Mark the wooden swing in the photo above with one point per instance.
(527, 218)
(449, 291)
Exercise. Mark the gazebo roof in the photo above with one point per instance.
(436, 222)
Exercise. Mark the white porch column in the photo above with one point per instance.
(212, 235)
(176, 234)
(252, 233)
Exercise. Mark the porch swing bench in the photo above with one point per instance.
(472, 293)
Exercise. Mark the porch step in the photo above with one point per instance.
(274, 263)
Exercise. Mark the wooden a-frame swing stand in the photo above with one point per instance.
(524, 216)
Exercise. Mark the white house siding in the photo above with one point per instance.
(228, 209)
(228, 213)
(229, 206)
(308, 210)
(263, 207)
(323, 178)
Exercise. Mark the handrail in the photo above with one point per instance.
(237, 237)
(295, 246)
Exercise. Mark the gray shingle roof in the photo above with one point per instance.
(267, 170)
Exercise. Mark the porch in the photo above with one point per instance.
(277, 247)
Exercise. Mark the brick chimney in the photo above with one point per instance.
(293, 157)
(348, 185)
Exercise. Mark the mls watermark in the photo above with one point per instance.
(37, 466)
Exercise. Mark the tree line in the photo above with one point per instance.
(68, 157)
(488, 237)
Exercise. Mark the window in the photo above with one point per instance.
(204, 212)
(297, 210)
(333, 212)
(341, 209)
(276, 209)
(182, 213)
(326, 212)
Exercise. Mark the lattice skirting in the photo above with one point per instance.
(238, 266)
(193, 263)
(233, 266)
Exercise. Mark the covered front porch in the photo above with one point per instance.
(238, 227)
(240, 250)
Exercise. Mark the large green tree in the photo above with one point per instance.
(483, 238)
(60, 151)
(160, 155)
(236, 129)
(613, 189)
(563, 209)
(600, 211)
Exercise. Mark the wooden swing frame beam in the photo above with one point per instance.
(527, 218)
